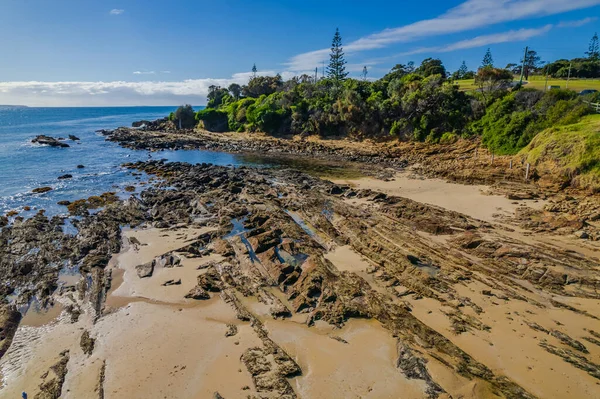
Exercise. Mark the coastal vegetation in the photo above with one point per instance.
(418, 103)
(572, 150)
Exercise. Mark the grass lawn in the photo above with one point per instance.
(539, 82)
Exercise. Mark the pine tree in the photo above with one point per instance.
(462, 71)
(365, 72)
(593, 52)
(336, 70)
(254, 70)
(488, 61)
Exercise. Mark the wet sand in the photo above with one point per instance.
(156, 344)
(470, 200)
(157, 351)
(511, 347)
(364, 367)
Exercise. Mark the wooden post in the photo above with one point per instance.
(476, 153)
(510, 164)
(492, 158)
(527, 171)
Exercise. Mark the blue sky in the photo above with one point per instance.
(151, 52)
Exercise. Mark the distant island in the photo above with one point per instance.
(13, 106)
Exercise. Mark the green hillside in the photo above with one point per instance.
(572, 150)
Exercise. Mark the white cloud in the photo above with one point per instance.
(485, 40)
(165, 71)
(471, 14)
(144, 73)
(117, 93)
(116, 11)
(578, 23)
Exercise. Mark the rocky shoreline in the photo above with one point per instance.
(278, 244)
(464, 162)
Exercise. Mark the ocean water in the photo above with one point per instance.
(25, 166)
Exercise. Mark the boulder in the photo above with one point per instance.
(87, 343)
(140, 123)
(265, 241)
(80, 166)
(66, 176)
(41, 190)
(169, 260)
(50, 141)
(210, 281)
(231, 330)
(582, 235)
(73, 138)
(198, 293)
(146, 269)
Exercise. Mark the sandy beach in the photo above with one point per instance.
(273, 296)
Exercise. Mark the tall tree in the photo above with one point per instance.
(254, 70)
(490, 79)
(260, 85)
(514, 68)
(337, 63)
(397, 72)
(431, 66)
(216, 96)
(532, 63)
(235, 90)
(462, 71)
(185, 117)
(365, 72)
(593, 52)
(488, 61)
(410, 67)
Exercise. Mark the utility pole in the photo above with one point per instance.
(323, 75)
(569, 76)
(316, 74)
(523, 66)
(546, 86)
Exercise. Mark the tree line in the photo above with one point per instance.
(408, 103)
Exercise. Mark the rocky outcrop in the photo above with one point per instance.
(198, 293)
(9, 322)
(41, 190)
(87, 343)
(275, 230)
(49, 141)
(53, 379)
(231, 330)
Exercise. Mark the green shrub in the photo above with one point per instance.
(510, 123)
(213, 120)
(448, 138)
(185, 117)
